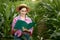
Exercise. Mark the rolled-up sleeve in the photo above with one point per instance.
(29, 21)
(31, 30)
(19, 32)
(13, 23)
(12, 26)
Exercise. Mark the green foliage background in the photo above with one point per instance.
(46, 14)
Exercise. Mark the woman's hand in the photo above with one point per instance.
(24, 29)
(13, 31)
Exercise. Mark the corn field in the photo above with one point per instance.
(45, 13)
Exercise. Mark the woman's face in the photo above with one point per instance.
(23, 11)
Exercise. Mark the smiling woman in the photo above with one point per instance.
(23, 9)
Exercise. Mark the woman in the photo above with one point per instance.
(23, 9)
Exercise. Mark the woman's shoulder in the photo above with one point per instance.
(29, 19)
(16, 18)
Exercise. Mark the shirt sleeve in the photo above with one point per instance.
(19, 32)
(13, 23)
(31, 29)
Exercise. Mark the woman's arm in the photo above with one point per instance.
(13, 24)
(14, 31)
(30, 30)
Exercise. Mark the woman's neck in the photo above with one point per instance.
(23, 17)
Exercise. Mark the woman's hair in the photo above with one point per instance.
(23, 7)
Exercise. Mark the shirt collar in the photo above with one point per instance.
(20, 18)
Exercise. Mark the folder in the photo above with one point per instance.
(20, 23)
